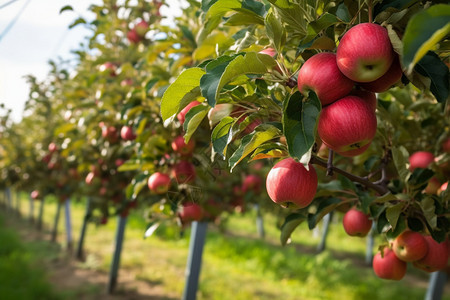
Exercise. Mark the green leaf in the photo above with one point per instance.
(249, 143)
(300, 118)
(275, 31)
(432, 67)
(400, 156)
(424, 30)
(291, 222)
(343, 13)
(393, 213)
(386, 198)
(221, 7)
(420, 177)
(181, 92)
(399, 228)
(428, 209)
(226, 68)
(66, 8)
(64, 129)
(326, 206)
(77, 22)
(243, 18)
(193, 119)
(220, 135)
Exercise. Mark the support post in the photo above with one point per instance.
(259, 222)
(8, 199)
(17, 196)
(436, 285)
(326, 227)
(369, 245)
(40, 215)
(194, 262)
(56, 221)
(122, 221)
(68, 225)
(79, 253)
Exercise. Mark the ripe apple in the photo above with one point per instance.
(410, 246)
(388, 266)
(385, 82)
(133, 36)
(420, 159)
(436, 257)
(446, 145)
(118, 162)
(289, 181)
(433, 186)
(127, 134)
(184, 172)
(347, 126)
(52, 147)
(182, 114)
(269, 51)
(141, 28)
(110, 133)
(179, 145)
(365, 53)
(218, 112)
(159, 183)
(35, 195)
(321, 74)
(369, 97)
(252, 183)
(109, 67)
(443, 187)
(191, 212)
(356, 223)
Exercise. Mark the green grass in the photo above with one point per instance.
(20, 275)
(239, 265)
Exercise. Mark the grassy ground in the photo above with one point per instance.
(236, 264)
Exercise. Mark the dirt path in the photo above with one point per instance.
(68, 277)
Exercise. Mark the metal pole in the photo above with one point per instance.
(259, 222)
(17, 196)
(31, 209)
(326, 228)
(55, 224)
(194, 262)
(116, 258)
(79, 254)
(41, 214)
(369, 244)
(68, 224)
(436, 285)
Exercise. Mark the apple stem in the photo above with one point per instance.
(379, 188)
(330, 163)
(369, 4)
(291, 83)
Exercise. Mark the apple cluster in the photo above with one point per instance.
(346, 82)
(421, 250)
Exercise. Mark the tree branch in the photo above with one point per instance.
(380, 189)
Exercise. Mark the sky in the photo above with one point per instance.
(40, 34)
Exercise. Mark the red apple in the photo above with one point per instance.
(184, 172)
(436, 257)
(420, 159)
(110, 133)
(289, 181)
(191, 212)
(365, 53)
(347, 126)
(182, 114)
(385, 82)
(127, 134)
(141, 28)
(433, 186)
(446, 145)
(356, 223)
(269, 51)
(108, 67)
(52, 147)
(410, 246)
(35, 195)
(179, 145)
(252, 183)
(443, 187)
(388, 266)
(133, 36)
(118, 162)
(369, 97)
(321, 74)
(159, 183)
